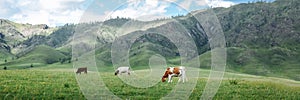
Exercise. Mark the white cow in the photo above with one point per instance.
(122, 70)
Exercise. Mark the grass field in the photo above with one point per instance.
(60, 83)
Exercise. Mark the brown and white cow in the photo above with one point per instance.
(175, 72)
(82, 69)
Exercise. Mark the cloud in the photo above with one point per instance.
(202, 2)
(89, 16)
(5, 8)
(219, 3)
(60, 12)
(186, 4)
(144, 10)
(51, 12)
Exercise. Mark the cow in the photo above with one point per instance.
(122, 70)
(82, 69)
(175, 72)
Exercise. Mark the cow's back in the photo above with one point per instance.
(83, 69)
(123, 69)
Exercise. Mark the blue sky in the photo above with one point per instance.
(60, 12)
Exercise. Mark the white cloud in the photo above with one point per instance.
(60, 12)
(92, 17)
(219, 3)
(4, 8)
(202, 2)
(211, 3)
(50, 12)
(142, 10)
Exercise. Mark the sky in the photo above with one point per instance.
(60, 12)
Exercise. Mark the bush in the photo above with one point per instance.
(233, 81)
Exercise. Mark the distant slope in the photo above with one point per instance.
(263, 38)
(262, 25)
(272, 62)
(43, 54)
(39, 55)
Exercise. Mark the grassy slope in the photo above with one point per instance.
(4, 54)
(39, 56)
(274, 62)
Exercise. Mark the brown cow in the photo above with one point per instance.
(175, 72)
(83, 69)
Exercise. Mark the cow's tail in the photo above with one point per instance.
(117, 71)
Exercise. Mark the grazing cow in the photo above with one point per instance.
(122, 70)
(82, 69)
(175, 72)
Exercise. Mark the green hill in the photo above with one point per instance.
(273, 62)
(40, 55)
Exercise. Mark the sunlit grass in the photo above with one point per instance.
(27, 84)
(62, 84)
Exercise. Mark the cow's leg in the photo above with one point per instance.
(184, 77)
(128, 71)
(169, 78)
(180, 78)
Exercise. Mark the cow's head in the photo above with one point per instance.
(116, 72)
(167, 72)
(163, 79)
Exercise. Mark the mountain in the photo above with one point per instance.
(261, 39)
(13, 34)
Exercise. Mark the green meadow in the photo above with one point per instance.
(58, 81)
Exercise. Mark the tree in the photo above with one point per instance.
(62, 60)
(5, 68)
